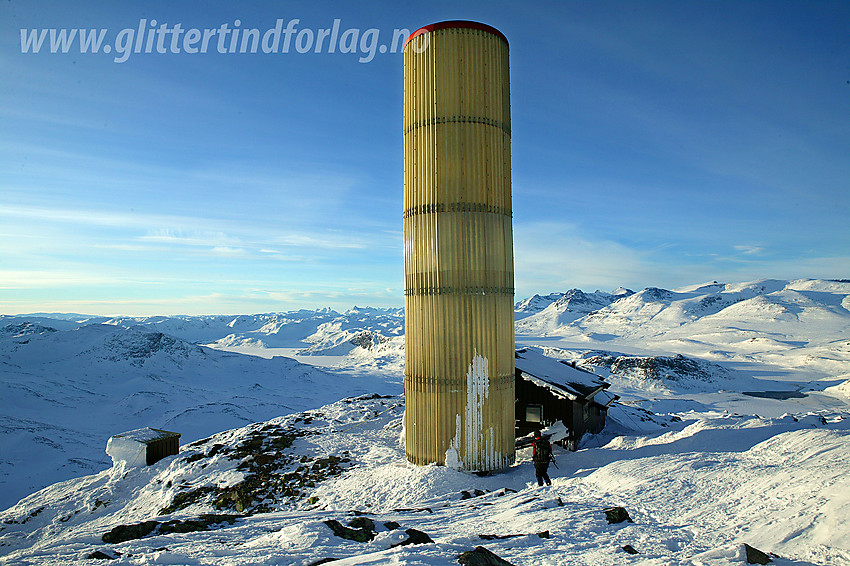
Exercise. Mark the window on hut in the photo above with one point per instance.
(534, 414)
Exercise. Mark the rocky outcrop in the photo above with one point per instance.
(541, 534)
(481, 557)
(677, 368)
(123, 533)
(357, 534)
(264, 455)
(414, 537)
(617, 515)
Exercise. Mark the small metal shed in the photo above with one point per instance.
(143, 446)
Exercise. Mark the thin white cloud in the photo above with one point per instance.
(749, 249)
(19, 279)
(170, 236)
(100, 217)
(321, 240)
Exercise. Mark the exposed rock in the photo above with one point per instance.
(629, 549)
(659, 368)
(414, 537)
(469, 495)
(269, 478)
(323, 561)
(368, 339)
(481, 557)
(25, 329)
(542, 534)
(362, 523)
(123, 533)
(617, 515)
(756, 556)
(98, 555)
(357, 535)
(392, 525)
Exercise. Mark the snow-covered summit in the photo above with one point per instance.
(25, 328)
(534, 304)
(563, 308)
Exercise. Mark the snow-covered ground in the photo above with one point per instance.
(696, 490)
(732, 428)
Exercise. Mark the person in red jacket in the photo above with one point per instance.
(541, 455)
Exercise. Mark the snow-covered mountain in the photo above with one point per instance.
(802, 323)
(273, 330)
(66, 391)
(309, 332)
(563, 308)
(557, 309)
(364, 328)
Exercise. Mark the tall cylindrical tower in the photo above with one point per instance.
(458, 248)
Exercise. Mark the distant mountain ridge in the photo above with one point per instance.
(563, 308)
(765, 320)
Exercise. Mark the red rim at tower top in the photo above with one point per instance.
(456, 24)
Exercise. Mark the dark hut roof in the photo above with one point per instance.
(560, 377)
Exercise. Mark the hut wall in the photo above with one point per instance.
(161, 448)
(554, 408)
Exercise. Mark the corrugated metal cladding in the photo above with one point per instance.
(458, 248)
(168, 444)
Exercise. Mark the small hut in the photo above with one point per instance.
(143, 446)
(550, 390)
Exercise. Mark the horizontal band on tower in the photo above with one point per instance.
(456, 207)
(495, 380)
(459, 120)
(429, 291)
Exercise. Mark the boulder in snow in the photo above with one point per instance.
(361, 534)
(414, 537)
(481, 557)
(617, 515)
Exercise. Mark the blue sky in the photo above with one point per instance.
(654, 144)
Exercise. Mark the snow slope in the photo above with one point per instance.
(695, 491)
(65, 392)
